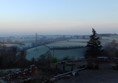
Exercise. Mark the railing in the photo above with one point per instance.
(71, 73)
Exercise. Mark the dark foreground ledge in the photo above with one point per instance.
(103, 75)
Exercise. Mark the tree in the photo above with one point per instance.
(93, 50)
(21, 60)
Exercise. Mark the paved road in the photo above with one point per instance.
(104, 75)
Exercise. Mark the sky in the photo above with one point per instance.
(58, 16)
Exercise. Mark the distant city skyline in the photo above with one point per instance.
(51, 17)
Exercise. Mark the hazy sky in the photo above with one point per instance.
(58, 16)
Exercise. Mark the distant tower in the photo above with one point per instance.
(36, 38)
